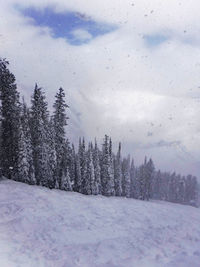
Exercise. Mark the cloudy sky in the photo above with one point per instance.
(130, 69)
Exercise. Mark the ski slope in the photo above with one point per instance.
(42, 227)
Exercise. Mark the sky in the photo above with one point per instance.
(130, 69)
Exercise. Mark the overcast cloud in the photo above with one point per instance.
(132, 71)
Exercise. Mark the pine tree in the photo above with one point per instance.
(157, 183)
(146, 172)
(10, 115)
(118, 173)
(136, 183)
(191, 190)
(73, 166)
(40, 137)
(22, 163)
(172, 188)
(141, 176)
(149, 173)
(107, 177)
(194, 201)
(83, 164)
(133, 179)
(67, 161)
(65, 181)
(181, 189)
(89, 177)
(60, 121)
(112, 181)
(126, 180)
(94, 178)
(51, 181)
(77, 185)
(25, 159)
(97, 170)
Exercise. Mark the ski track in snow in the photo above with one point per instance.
(42, 227)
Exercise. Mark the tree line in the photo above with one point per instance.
(34, 149)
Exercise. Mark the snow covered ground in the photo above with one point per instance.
(42, 227)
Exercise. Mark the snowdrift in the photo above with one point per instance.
(42, 227)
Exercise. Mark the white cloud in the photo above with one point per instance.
(118, 84)
(81, 35)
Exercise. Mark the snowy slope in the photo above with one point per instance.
(42, 227)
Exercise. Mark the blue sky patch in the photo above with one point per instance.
(75, 27)
(155, 40)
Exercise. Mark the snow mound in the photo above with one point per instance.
(42, 227)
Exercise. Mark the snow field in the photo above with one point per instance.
(54, 228)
